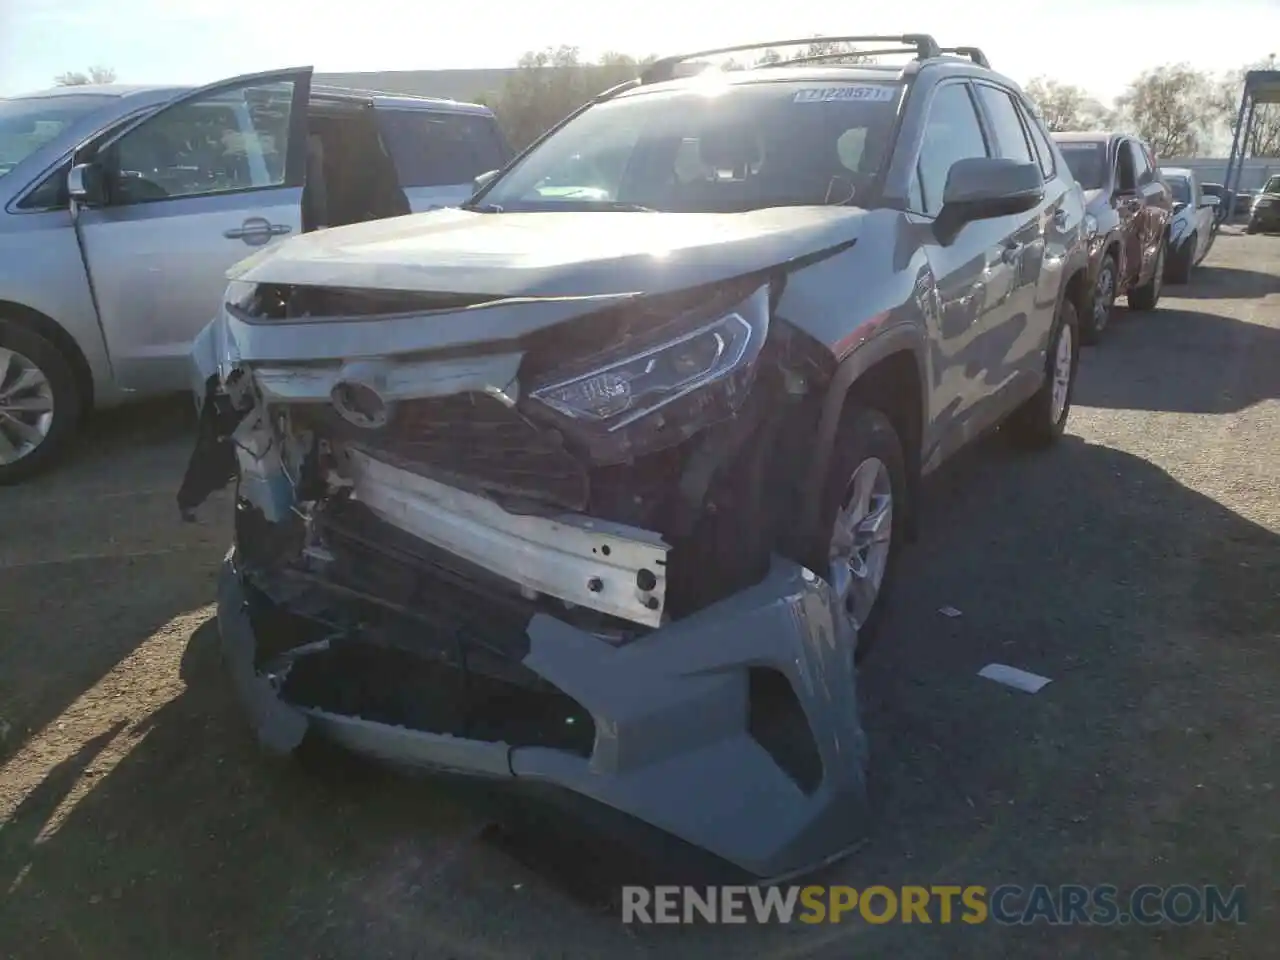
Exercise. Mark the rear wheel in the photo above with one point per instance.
(39, 402)
(1147, 296)
(1043, 418)
(866, 493)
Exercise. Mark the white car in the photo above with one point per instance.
(122, 208)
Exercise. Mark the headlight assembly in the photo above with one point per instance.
(1090, 227)
(651, 395)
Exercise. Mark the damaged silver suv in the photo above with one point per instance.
(596, 483)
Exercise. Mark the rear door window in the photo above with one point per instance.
(441, 149)
(1011, 139)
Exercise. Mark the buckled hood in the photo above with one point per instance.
(551, 254)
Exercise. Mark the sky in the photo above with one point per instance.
(1097, 44)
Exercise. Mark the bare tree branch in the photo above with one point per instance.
(1172, 108)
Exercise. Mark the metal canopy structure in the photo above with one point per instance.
(1261, 87)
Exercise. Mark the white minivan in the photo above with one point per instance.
(122, 208)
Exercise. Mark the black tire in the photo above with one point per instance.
(1091, 325)
(1251, 228)
(1180, 266)
(1033, 425)
(67, 400)
(864, 433)
(1147, 296)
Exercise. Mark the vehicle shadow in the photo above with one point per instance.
(1212, 282)
(1192, 362)
(1144, 601)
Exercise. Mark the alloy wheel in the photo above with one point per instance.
(26, 406)
(1061, 375)
(861, 538)
(1104, 296)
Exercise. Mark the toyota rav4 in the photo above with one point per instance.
(597, 482)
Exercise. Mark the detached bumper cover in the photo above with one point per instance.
(673, 747)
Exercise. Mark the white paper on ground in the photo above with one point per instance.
(1013, 677)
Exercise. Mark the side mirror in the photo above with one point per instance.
(483, 180)
(980, 188)
(86, 184)
(1179, 206)
(1209, 200)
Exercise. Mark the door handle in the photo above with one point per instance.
(256, 231)
(1011, 252)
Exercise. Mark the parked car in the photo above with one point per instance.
(1264, 215)
(599, 482)
(1226, 200)
(1243, 203)
(121, 209)
(1192, 226)
(1128, 215)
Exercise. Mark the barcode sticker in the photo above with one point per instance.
(870, 93)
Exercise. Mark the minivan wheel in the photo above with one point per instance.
(1043, 418)
(864, 506)
(39, 402)
(1103, 302)
(1147, 296)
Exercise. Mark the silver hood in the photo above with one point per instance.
(550, 254)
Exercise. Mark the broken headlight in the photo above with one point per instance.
(655, 393)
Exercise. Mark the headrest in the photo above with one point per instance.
(728, 146)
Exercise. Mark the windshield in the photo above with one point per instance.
(1087, 162)
(28, 123)
(721, 148)
(1272, 185)
(1180, 188)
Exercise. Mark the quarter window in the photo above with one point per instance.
(1011, 139)
(952, 132)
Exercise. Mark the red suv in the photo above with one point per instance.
(1128, 207)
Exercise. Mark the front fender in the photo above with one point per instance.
(891, 339)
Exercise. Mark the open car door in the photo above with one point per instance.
(177, 198)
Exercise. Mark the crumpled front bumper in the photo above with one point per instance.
(674, 719)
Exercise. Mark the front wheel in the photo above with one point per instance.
(39, 402)
(1180, 266)
(1043, 419)
(864, 505)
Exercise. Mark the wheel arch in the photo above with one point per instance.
(888, 373)
(56, 334)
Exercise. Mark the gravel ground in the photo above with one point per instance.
(1136, 565)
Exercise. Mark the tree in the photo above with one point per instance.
(78, 78)
(550, 84)
(1173, 108)
(1064, 106)
(1264, 136)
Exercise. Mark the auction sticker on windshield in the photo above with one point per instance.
(870, 93)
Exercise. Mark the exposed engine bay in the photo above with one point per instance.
(481, 558)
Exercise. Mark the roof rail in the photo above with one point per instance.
(823, 57)
(973, 53)
(665, 69)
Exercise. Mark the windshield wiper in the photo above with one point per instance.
(619, 206)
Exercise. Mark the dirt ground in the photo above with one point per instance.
(1137, 565)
